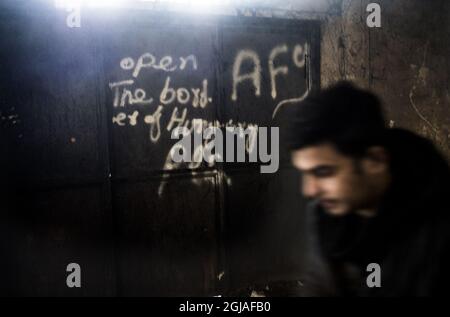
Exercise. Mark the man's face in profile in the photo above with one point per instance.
(340, 184)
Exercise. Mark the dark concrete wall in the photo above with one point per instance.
(406, 61)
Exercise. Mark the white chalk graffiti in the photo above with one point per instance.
(274, 71)
(183, 96)
(121, 117)
(208, 149)
(155, 125)
(174, 119)
(148, 60)
(289, 101)
(126, 96)
(254, 75)
(299, 54)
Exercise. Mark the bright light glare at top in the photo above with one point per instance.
(193, 2)
(99, 3)
(112, 3)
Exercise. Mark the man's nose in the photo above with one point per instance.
(310, 187)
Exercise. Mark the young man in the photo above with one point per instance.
(378, 196)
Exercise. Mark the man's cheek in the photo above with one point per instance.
(332, 189)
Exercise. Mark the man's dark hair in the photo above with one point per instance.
(349, 118)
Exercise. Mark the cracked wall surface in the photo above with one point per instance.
(405, 61)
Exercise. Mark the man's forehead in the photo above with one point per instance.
(317, 155)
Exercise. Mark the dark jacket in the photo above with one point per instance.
(409, 238)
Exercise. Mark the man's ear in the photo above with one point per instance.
(376, 160)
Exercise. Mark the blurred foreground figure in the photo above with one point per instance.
(378, 195)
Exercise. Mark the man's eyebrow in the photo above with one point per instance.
(318, 168)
